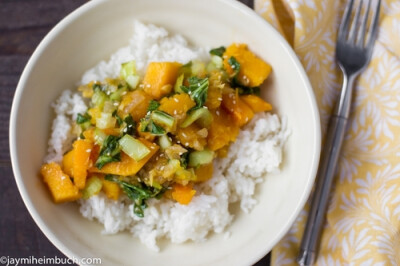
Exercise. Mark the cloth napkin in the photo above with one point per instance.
(363, 220)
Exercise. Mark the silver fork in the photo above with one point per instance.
(353, 51)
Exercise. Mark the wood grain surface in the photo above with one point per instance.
(23, 24)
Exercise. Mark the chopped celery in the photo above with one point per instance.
(217, 61)
(99, 136)
(109, 107)
(128, 73)
(98, 99)
(202, 115)
(179, 83)
(133, 148)
(116, 96)
(164, 142)
(197, 158)
(93, 186)
(163, 119)
(198, 68)
(106, 120)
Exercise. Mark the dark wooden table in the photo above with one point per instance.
(23, 23)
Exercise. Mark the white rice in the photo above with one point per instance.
(256, 152)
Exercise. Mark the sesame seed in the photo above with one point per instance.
(217, 112)
(176, 100)
(187, 144)
(184, 135)
(162, 168)
(148, 86)
(219, 99)
(88, 150)
(63, 177)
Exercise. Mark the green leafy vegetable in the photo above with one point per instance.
(110, 152)
(119, 119)
(184, 159)
(163, 119)
(138, 193)
(235, 66)
(148, 125)
(218, 51)
(153, 105)
(130, 125)
(80, 119)
(197, 89)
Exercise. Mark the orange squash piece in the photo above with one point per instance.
(134, 103)
(60, 185)
(160, 77)
(81, 162)
(177, 105)
(189, 137)
(183, 194)
(256, 103)
(222, 131)
(127, 166)
(111, 189)
(204, 172)
(253, 71)
(68, 163)
(240, 111)
(89, 134)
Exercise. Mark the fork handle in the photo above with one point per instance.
(319, 203)
(326, 171)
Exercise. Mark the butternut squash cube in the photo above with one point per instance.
(61, 187)
(256, 103)
(160, 77)
(111, 189)
(253, 70)
(223, 130)
(82, 150)
(203, 172)
(177, 105)
(183, 194)
(127, 166)
(240, 111)
(134, 103)
(68, 163)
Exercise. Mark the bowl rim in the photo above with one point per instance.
(59, 27)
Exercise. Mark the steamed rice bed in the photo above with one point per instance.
(256, 152)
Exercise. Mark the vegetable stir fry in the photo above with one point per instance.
(156, 136)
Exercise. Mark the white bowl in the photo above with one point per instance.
(92, 33)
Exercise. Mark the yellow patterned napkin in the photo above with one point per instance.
(363, 220)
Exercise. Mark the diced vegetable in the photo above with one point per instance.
(128, 73)
(177, 105)
(179, 83)
(197, 89)
(133, 147)
(106, 120)
(203, 172)
(111, 189)
(183, 194)
(197, 158)
(218, 51)
(99, 98)
(190, 137)
(117, 95)
(61, 187)
(198, 68)
(110, 152)
(222, 131)
(68, 163)
(126, 166)
(240, 111)
(81, 161)
(256, 103)
(135, 103)
(138, 193)
(253, 70)
(93, 187)
(163, 119)
(160, 77)
(201, 115)
(99, 136)
(164, 142)
(94, 112)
